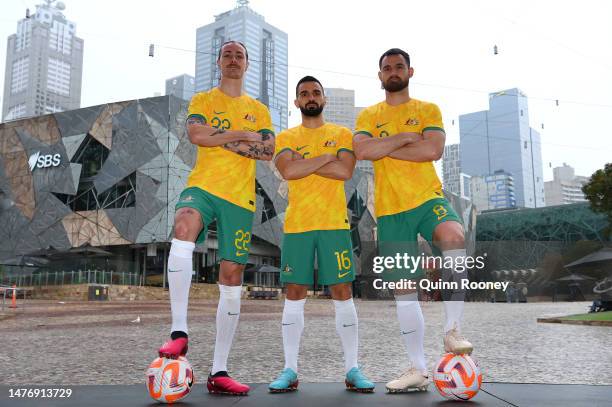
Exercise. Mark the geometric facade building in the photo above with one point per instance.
(44, 65)
(500, 139)
(267, 75)
(108, 177)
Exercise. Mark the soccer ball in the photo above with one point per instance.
(457, 377)
(169, 380)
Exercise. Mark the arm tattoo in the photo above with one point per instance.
(195, 120)
(254, 150)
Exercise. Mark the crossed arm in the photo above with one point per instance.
(293, 166)
(402, 146)
(245, 143)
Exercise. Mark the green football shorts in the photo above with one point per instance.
(234, 223)
(397, 234)
(334, 252)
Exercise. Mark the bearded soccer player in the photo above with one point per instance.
(316, 158)
(231, 130)
(403, 136)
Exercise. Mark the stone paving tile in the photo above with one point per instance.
(95, 343)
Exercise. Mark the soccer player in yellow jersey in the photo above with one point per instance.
(403, 136)
(316, 158)
(231, 130)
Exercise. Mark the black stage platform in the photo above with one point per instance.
(328, 394)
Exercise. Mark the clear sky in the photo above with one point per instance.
(550, 50)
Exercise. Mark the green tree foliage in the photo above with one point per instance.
(598, 192)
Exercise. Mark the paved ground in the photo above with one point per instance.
(95, 343)
(330, 395)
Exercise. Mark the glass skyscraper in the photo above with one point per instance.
(500, 139)
(267, 75)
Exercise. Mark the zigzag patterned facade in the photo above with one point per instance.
(115, 174)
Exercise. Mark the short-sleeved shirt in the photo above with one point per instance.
(218, 171)
(401, 185)
(315, 202)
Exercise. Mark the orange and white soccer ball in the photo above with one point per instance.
(457, 377)
(169, 380)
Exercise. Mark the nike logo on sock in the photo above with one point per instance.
(406, 333)
(229, 313)
(293, 323)
(346, 326)
(173, 271)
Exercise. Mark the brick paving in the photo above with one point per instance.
(95, 343)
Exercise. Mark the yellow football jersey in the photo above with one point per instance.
(221, 172)
(401, 185)
(315, 202)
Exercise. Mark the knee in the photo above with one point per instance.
(341, 292)
(187, 225)
(449, 235)
(296, 292)
(231, 273)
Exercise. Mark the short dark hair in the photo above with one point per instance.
(308, 78)
(246, 52)
(394, 51)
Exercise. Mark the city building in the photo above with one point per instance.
(183, 86)
(494, 191)
(453, 180)
(565, 188)
(95, 189)
(44, 65)
(340, 107)
(267, 75)
(500, 139)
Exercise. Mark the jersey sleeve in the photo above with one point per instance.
(196, 109)
(266, 123)
(363, 124)
(281, 144)
(345, 141)
(432, 119)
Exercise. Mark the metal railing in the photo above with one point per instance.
(55, 278)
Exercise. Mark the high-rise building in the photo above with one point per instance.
(453, 180)
(44, 64)
(182, 86)
(565, 188)
(340, 107)
(494, 191)
(451, 168)
(500, 139)
(267, 74)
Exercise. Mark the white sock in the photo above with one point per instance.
(453, 308)
(347, 328)
(228, 312)
(293, 325)
(180, 268)
(412, 328)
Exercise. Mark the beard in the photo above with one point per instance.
(312, 109)
(395, 85)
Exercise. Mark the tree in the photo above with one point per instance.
(598, 192)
